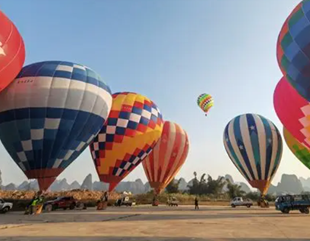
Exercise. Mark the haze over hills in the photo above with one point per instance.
(288, 184)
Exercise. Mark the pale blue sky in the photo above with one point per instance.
(170, 51)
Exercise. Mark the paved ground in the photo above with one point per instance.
(157, 224)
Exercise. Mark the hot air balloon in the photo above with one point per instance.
(293, 111)
(299, 150)
(254, 145)
(205, 102)
(293, 51)
(132, 129)
(167, 157)
(12, 51)
(50, 114)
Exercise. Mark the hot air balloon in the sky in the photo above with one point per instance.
(167, 157)
(50, 114)
(293, 111)
(12, 51)
(299, 150)
(293, 51)
(254, 145)
(205, 102)
(132, 129)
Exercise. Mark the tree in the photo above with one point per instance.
(215, 186)
(253, 195)
(234, 190)
(173, 186)
(198, 186)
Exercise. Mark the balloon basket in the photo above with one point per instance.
(155, 203)
(101, 205)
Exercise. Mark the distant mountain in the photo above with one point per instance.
(305, 183)
(288, 184)
(100, 186)
(60, 185)
(24, 186)
(9, 187)
(88, 183)
(147, 187)
(183, 184)
(229, 177)
(244, 187)
(74, 185)
(136, 187)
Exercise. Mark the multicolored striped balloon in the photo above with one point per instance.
(254, 145)
(299, 150)
(205, 102)
(293, 49)
(167, 158)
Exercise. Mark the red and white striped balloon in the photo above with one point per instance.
(167, 158)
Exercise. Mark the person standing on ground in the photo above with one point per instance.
(196, 203)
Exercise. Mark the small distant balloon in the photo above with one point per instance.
(205, 102)
(12, 51)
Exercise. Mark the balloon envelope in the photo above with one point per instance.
(205, 102)
(299, 150)
(293, 111)
(12, 51)
(167, 157)
(254, 145)
(132, 129)
(49, 115)
(293, 49)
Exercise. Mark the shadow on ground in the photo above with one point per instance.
(60, 238)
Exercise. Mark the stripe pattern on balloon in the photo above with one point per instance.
(167, 157)
(254, 144)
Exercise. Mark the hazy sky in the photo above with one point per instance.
(170, 51)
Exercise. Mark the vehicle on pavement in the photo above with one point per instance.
(60, 203)
(5, 206)
(173, 202)
(125, 201)
(239, 201)
(287, 203)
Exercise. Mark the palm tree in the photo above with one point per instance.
(234, 190)
(215, 186)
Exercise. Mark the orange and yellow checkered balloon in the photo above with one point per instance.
(130, 133)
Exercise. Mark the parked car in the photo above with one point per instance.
(286, 203)
(239, 201)
(60, 203)
(173, 202)
(5, 206)
(124, 201)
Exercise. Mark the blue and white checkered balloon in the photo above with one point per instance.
(49, 115)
